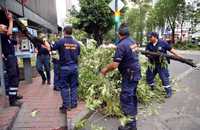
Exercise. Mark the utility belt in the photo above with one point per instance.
(132, 73)
(55, 61)
(43, 54)
(70, 67)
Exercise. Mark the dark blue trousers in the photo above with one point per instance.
(128, 99)
(163, 74)
(56, 70)
(12, 76)
(68, 86)
(43, 62)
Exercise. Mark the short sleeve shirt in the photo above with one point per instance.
(161, 46)
(8, 45)
(127, 58)
(68, 49)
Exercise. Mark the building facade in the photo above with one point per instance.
(40, 13)
(63, 10)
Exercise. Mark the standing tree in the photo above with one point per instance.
(168, 11)
(136, 18)
(94, 17)
(195, 20)
(184, 16)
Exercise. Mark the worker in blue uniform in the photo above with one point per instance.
(9, 58)
(127, 62)
(159, 64)
(69, 51)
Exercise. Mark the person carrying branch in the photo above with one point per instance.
(159, 64)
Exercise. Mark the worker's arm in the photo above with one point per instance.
(173, 51)
(36, 50)
(46, 45)
(10, 27)
(3, 28)
(110, 67)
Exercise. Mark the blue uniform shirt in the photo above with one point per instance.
(68, 49)
(161, 46)
(127, 58)
(8, 45)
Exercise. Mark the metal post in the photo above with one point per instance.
(27, 70)
(2, 71)
(22, 2)
(116, 23)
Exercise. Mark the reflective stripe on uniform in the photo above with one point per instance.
(168, 86)
(12, 93)
(13, 89)
(151, 84)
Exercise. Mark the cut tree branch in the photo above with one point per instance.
(158, 54)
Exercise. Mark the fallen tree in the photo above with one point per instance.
(159, 54)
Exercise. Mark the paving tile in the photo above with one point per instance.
(45, 102)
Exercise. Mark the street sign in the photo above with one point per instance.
(120, 5)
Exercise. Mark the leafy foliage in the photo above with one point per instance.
(167, 11)
(136, 19)
(94, 17)
(186, 46)
(103, 92)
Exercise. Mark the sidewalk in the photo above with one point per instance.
(40, 109)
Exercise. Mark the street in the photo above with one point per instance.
(180, 112)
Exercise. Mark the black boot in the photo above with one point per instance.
(48, 82)
(126, 127)
(48, 77)
(43, 81)
(18, 97)
(16, 104)
(63, 110)
(13, 101)
(152, 87)
(168, 92)
(56, 88)
(43, 76)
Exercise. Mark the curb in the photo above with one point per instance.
(188, 51)
(10, 114)
(185, 73)
(85, 113)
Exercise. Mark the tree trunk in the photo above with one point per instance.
(173, 35)
(99, 38)
(181, 38)
(158, 54)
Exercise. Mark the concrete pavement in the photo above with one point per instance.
(40, 110)
(182, 111)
